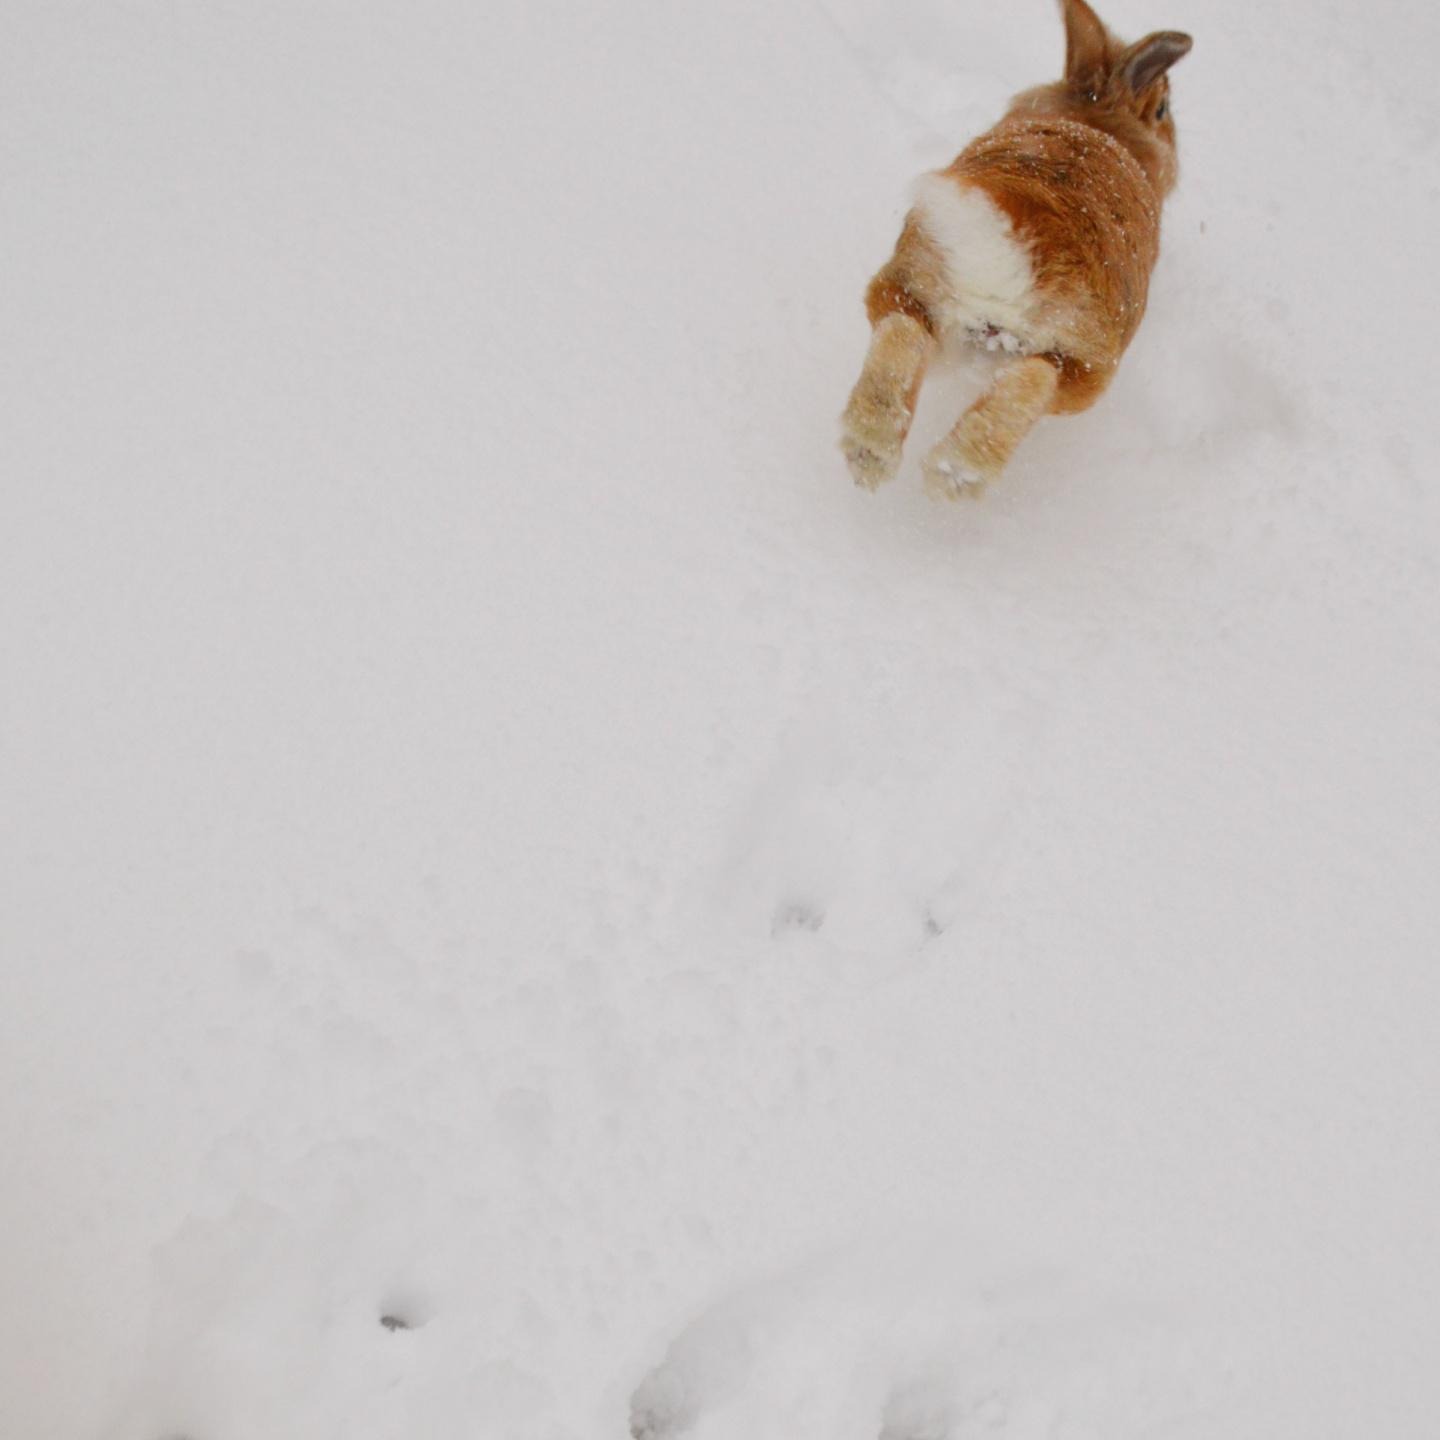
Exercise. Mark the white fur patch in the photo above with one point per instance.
(991, 283)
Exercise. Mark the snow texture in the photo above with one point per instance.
(534, 909)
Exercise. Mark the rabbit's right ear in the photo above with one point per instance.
(1148, 59)
(1086, 40)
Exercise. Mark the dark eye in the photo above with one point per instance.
(1162, 109)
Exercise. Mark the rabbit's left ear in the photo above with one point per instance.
(1087, 42)
(1148, 59)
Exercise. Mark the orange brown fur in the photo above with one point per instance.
(1079, 169)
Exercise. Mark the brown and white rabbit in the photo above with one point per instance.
(1037, 241)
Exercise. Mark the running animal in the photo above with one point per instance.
(1038, 243)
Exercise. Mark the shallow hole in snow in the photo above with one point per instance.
(404, 1311)
(794, 915)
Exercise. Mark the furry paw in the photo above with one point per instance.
(871, 437)
(951, 473)
(869, 468)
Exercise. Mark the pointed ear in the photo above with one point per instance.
(1086, 39)
(1148, 59)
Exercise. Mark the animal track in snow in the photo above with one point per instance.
(909, 1344)
(793, 915)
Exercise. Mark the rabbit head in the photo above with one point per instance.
(1121, 89)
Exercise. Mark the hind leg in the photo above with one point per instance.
(882, 404)
(987, 434)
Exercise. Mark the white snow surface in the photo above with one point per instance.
(502, 839)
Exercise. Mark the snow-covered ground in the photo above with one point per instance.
(523, 889)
